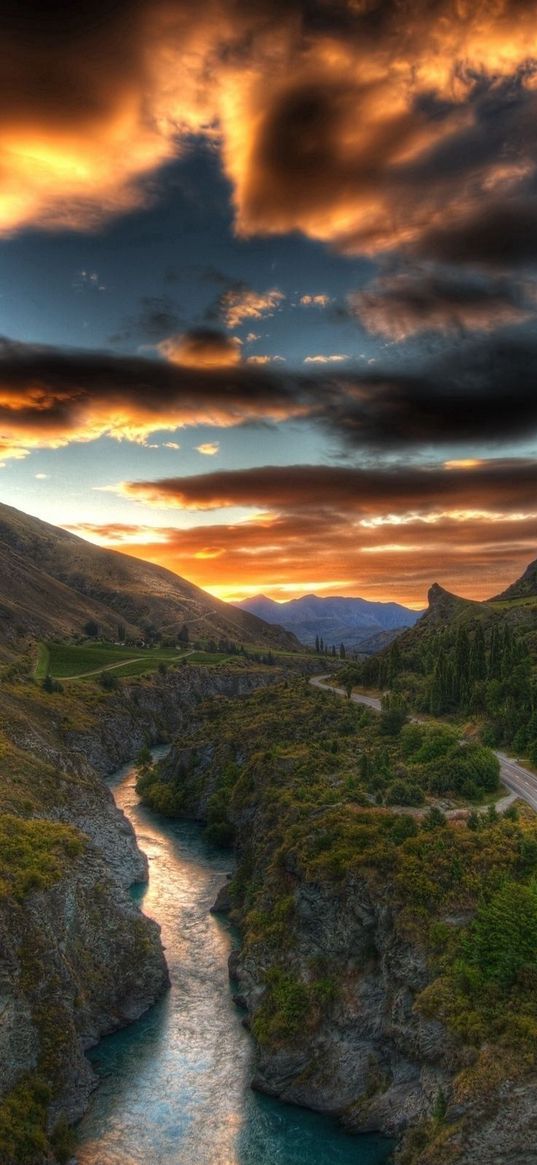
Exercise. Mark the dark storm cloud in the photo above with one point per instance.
(406, 303)
(472, 394)
(502, 485)
(50, 397)
(500, 234)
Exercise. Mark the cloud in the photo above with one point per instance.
(387, 535)
(240, 303)
(201, 348)
(368, 126)
(49, 397)
(209, 448)
(263, 359)
(331, 358)
(314, 300)
(505, 485)
(473, 393)
(406, 303)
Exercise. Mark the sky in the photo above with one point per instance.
(268, 288)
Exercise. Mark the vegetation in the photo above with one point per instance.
(302, 780)
(34, 854)
(479, 661)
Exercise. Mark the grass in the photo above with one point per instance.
(43, 659)
(73, 661)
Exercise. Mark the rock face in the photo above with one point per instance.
(77, 961)
(372, 1058)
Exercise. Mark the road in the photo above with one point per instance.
(516, 778)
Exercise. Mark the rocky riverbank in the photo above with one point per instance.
(77, 957)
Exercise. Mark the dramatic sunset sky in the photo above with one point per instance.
(268, 287)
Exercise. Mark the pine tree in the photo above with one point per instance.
(317, 644)
(478, 659)
(495, 655)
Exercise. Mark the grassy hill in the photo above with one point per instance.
(53, 583)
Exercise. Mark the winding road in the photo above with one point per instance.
(519, 780)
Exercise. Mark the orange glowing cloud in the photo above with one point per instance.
(202, 348)
(294, 553)
(368, 127)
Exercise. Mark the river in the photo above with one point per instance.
(174, 1086)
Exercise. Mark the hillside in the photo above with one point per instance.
(351, 621)
(52, 583)
(387, 958)
(478, 659)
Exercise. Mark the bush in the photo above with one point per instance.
(404, 793)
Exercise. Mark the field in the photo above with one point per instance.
(66, 661)
(71, 661)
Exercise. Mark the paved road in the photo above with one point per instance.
(520, 780)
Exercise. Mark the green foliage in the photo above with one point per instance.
(34, 854)
(404, 793)
(23, 1123)
(478, 661)
(393, 715)
(503, 937)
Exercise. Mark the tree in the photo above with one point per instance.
(393, 715)
(184, 637)
(342, 652)
(504, 938)
(478, 658)
(91, 629)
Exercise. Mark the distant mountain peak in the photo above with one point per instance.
(336, 619)
(438, 594)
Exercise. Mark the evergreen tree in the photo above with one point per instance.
(478, 659)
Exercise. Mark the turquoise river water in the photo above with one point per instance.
(174, 1087)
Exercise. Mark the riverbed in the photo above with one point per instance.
(174, 1086)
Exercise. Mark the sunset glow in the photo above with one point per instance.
(269, 290)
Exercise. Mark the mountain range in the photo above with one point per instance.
(52, 583)
(361, 625)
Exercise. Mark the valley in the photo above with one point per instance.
(382, 883)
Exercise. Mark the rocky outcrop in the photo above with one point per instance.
(370, 1056)
(77, 961)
